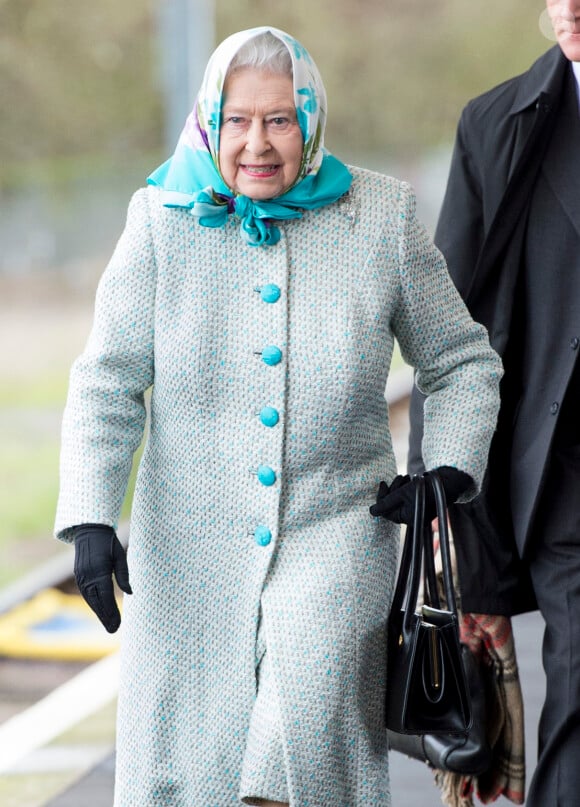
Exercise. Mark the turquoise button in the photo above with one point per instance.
(270, 293)
(269, 416)
(262, 536)
(271, 355)
(266, 475)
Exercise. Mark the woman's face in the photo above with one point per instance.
(260, 147)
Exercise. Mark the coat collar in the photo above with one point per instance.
(560, 166)
(545, 76)
(531, 116)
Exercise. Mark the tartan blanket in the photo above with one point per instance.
(491, 640)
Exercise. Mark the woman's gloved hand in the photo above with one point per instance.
(98, 555)
(396, 501)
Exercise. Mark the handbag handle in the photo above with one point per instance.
(444, 547)
(409, 577)
(418, 556)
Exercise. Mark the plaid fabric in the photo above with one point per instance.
(491, 640)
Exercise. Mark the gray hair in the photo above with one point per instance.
(264, 52)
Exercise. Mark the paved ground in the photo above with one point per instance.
(93, 790)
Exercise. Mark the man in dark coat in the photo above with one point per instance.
(510, 231)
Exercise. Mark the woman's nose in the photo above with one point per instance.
(257, 138)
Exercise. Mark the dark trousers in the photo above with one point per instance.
(555, 572)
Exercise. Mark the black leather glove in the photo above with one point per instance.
(98, 555)
(396, 501)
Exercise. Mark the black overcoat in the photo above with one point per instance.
(501, 141)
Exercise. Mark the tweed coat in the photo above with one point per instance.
(268, 436)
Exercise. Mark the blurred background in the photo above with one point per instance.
(93, 96)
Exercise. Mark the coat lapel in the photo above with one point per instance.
(534, 108)
(562, 164)
(540, 88)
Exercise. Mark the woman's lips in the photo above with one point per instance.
(260, 170)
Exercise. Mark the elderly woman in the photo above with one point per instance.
(257, 289)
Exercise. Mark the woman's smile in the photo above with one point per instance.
(260, 170)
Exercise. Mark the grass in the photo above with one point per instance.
(29, 425)
(30, 414)
(29, 477)
(35, 393)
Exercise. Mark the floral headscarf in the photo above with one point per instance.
(191, 177)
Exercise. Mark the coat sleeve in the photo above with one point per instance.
(456, 368)
(105, 413)
(493, 579)
(459, 236)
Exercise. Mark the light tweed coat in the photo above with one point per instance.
(182, 308)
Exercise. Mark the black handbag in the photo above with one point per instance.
(467, 753)
(434, 684)
(426, 682)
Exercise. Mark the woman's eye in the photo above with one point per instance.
(279, 122)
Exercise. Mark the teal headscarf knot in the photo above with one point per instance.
(191, 178)
(209, 211)
(253, 228)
